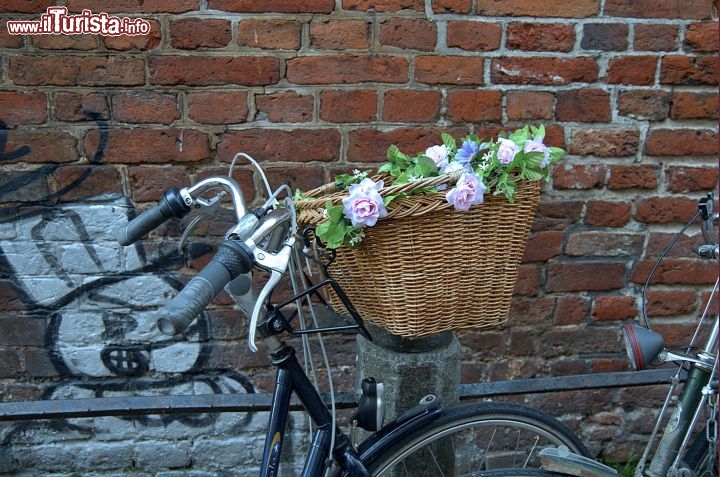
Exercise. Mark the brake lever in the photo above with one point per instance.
(208, 208)
(279, 265)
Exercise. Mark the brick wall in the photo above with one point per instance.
(94, 126)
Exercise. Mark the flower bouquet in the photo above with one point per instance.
(432, 241)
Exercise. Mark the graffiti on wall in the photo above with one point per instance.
(98, 302)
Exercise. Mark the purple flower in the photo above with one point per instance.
(534, 145)
(507, 150)
(468, 191)
(467, 152)
(364, 204)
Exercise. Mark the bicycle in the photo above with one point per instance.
(428, 439)
(683, 449)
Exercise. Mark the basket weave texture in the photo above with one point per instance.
(427, 268)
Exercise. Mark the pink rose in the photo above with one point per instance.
(507, 150)
(364, 204)
(468, 191)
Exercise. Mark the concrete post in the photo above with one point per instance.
(411, 368)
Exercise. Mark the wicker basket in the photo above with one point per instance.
(428, 268)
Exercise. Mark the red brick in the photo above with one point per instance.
(533, 311)
(7, 40)
(694, 105)
(604, 244)
(691, 179)
(557, 214)
(548, 8)
(272, 145)
(542, 246)
(146, 6)
(136, 42)
(632, 70)
(22, 108)
(26, 6)
(689, 70)
(635, 176)
(529, 36)
(303, 178)
(687, 10)
(571, 310)
(340, 34)
(347, 69)
(702, 37)
(226, 107)
(608, 214)
(83, 182)
(663, 210)
(474, 106)
(659, 241)
(270, 34)
(192, 33)
(473, 36)
(77, 107)
(463, 70)
(43, 146)
(652, 37)
(673, 271)
(403, 105)
(409, 34)
(605, 36)
(580, 276)
(529, 105)
(528, 280)
(614, 308)
(604, 143)
(214, 70)
(145, 107)
(544, 71)
(670, 302)
(681, 142)
(130, 146)
(650, 105)
(65, 42)
(271, 6)
(149, 183)
(583, 105)
(348, 106)
(451, 6)
(384, 6)
(371, 145)
(285, 107)
(76, 71)
(578, 176)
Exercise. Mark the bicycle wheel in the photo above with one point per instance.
(471, 438)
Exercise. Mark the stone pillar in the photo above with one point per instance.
(411, 368)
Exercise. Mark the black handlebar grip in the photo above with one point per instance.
(231, 260)
(171, 205)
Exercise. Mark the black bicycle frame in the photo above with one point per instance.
(291, 378)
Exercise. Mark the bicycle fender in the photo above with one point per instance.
(415, 418)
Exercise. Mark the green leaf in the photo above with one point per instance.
(425, 167)
(334, 212)
(449, 142)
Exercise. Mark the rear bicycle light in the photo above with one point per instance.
(642, 345)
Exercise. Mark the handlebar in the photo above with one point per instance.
(232, 259)
(174, 203)
(261, 238)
